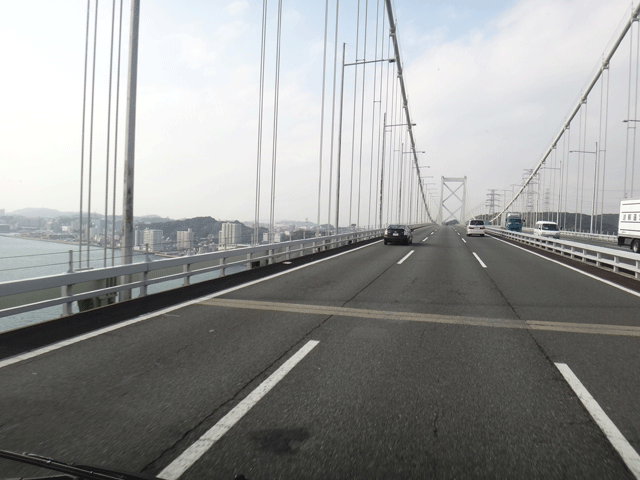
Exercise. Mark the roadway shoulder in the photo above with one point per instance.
(600, 272)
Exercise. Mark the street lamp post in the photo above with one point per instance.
(127, 204)
(390, 60)
(384, 137)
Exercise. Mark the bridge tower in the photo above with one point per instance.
(453, 204)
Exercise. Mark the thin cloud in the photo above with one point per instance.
(237, 8)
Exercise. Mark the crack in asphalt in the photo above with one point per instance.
(529, 331)
(435, 424)
(368, 284)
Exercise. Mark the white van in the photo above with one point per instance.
(546, 229)
(629, 224)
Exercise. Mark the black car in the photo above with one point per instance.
(398, 234)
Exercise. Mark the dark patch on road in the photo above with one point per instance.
(281, 441)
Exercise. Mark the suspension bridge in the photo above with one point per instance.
(507, 355)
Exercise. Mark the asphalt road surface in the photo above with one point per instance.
(453, 357)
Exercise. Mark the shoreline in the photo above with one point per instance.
(94, 248)
(62, 242)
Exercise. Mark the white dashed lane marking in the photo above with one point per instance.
(204, 443)
(479, 260)
(405, 257)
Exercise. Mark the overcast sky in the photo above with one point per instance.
(490, 83)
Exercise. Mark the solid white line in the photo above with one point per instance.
(626, 451)
(619, 287)
(463, 240)
(204, 443)
(478, 258)
(55, 346)
(405, 257)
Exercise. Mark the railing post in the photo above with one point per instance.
(67, 308)
(145, 274)
(187, 279)
(616, 263)
(223, 271)
(598, 258)
(67, 290)
(143, 288)
(288, 250)
(637, 273)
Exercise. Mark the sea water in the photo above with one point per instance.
(22, 258)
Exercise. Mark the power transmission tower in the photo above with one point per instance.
(529, 196)
(491, 202)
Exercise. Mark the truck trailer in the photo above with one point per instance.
(629, 224)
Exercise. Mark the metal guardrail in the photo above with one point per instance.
(33, 294)
(624, 263)
(591, 236)
(569, 233)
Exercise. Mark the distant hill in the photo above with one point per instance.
(39, 213)
(52, 213)
(609, 222)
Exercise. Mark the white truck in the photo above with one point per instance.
(629, 224)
